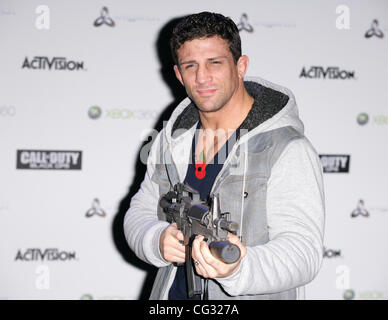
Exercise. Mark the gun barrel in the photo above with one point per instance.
(229, 225)
(225, 251)
(198, 212)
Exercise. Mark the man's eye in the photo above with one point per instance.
(216, 62)
(188, 66)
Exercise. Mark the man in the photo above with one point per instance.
(270, 179)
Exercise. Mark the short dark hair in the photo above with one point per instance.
(206, 25)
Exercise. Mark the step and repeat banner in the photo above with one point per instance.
(86, 85)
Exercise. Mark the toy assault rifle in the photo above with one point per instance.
(194, 217)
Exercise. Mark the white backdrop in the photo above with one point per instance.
(82, 98)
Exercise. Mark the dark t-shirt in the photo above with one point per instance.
(178, 290)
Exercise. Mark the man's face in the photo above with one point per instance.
(208, 72)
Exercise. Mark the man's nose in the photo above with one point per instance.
(203, 74)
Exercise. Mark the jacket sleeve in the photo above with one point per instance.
(295, 215)
(142, 228)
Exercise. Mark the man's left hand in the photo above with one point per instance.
(209, 266)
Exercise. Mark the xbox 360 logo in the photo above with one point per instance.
(349, 294)
(94, 112)
(362, 119)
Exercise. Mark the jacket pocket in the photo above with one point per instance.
(233, 187)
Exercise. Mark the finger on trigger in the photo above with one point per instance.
(179, 235)
(195, 252)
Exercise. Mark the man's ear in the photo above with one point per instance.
(178, 74)
(242, 66)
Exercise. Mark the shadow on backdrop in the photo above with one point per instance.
(178, 93)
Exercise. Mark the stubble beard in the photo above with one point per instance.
(216, 106)
(213, 109)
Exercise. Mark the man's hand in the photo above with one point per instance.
(170, 246)
(209, 266)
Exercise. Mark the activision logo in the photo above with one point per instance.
(56, 63)
(51, 254)
(49, 159)
(319, 72)
(335, 163)
(331, 253)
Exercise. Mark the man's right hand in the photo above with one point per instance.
(170, 246)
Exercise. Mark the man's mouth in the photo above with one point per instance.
(206, 92)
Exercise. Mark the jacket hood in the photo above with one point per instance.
(274, 107)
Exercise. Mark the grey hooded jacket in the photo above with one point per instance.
(271, 183)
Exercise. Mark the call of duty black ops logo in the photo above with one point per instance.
(49, 254)
(319, 72)
(335, 163)
(55, 63)
(49, 159)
